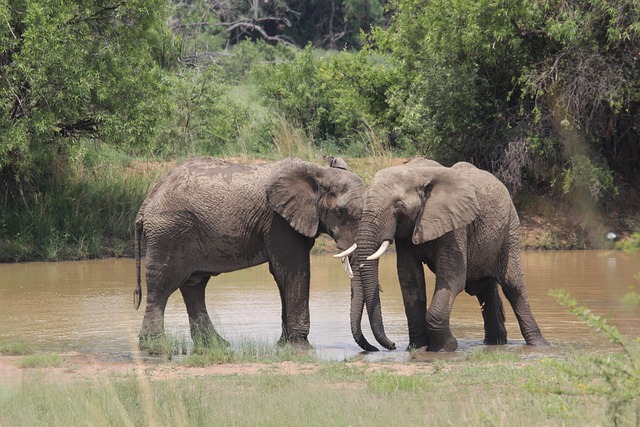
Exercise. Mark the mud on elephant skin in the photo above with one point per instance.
(460, 222)
(208, 217)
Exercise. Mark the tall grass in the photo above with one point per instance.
(88, 211)
(460, 393)
(292, 141)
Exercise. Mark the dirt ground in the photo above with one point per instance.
(91, 367)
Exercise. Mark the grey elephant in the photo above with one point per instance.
(462, 224)
(208, 217)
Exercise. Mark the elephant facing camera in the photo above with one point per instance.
(461, 223)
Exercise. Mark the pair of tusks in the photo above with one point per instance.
(344, 256)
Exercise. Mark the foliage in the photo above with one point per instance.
(336, 24)
(455, 66)
(76, 70)
(206, 28)
(88, 211)
(331, 97)
(477, 77)
(631, 244)
(587, 178)
(204, 116)
(536, 92)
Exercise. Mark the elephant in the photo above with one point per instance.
(208, 217)
(461, 222)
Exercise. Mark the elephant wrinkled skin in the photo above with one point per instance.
(461, 222)
(208, 217)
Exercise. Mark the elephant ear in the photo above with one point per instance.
(450, 203)
(291, 192)
(337, 162)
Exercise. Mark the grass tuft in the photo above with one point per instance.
(44, 360)
(15, 349)
(246, 351)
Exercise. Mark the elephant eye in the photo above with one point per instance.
(341, 212)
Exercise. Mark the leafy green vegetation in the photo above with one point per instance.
(542, 94)
(535, 91)
(85, 213)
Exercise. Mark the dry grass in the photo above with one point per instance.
(486, 390)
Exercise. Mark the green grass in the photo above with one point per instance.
(41, 360)
(15, 349)
(336, 393)
(87, 212)
(214, 351)
(247, 351)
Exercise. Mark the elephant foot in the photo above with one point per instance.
(538, 341)
(207, 338)
(297, 343)
(154, 344)
(436, 344)
(496, 338)
(495, 341)
(420, 345)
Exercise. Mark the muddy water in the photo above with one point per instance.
(87, 306)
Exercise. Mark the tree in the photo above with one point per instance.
(335, 24)
(547, 89)
(209, 27)
(72, 71)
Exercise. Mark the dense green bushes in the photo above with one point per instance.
(540, 94)
(335, 98)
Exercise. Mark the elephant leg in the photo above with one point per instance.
(450, 270)
(202, 330)
(486, 290)
(290, 266)
(160, 285)
(414, 294)
(513, 286)
(438, 317)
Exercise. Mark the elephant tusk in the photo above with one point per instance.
(380, 251)
(346, 252)
(347, 266)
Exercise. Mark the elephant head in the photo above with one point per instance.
(315, 199)
(419, 201)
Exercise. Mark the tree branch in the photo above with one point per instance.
(87, 126)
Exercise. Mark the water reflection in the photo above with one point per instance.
(88, 305)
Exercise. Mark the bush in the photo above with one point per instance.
(333, 98)
(204, 117)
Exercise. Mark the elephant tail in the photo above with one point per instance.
(137, 292)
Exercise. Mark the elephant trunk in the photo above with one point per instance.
(366, 284)
(357, 306)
